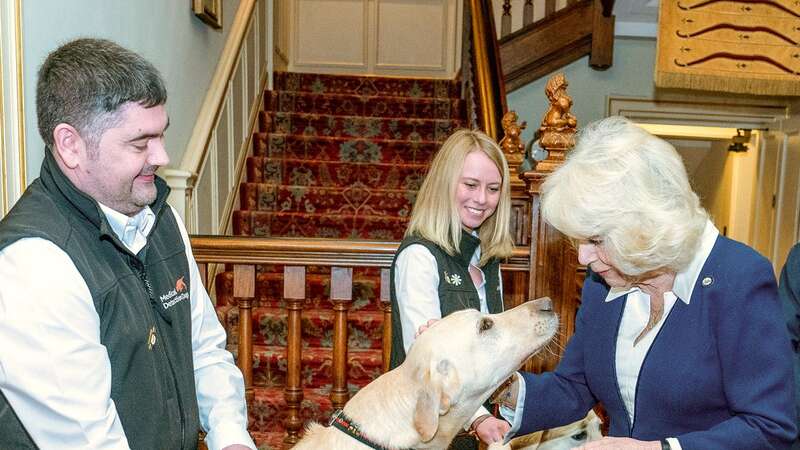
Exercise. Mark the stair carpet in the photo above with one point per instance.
(338, 157)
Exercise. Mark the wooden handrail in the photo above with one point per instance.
(311, 251)
(212, 104)
(488, 74)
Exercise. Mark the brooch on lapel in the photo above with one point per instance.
(453, 279)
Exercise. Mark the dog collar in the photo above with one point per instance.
(341, 422)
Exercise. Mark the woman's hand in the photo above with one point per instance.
(424, 327)
(492, 429)
(615, 443)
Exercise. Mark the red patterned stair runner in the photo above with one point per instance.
(338, 157)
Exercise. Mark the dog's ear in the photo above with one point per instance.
(449, 384)
(441, 388)
(426, 413)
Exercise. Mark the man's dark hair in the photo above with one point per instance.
(84, 83)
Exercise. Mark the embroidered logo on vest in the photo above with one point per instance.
(453, 279)
(180, 285)
(176, 295)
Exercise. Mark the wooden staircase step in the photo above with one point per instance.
(362, 85)
(326, 148)
(363, 106)
(357, 198)
(321, 125)
(292, 171)
(338, 226)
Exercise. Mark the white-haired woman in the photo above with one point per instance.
(450, 257)
(680, 333)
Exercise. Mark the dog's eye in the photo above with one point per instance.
(579, 436)
(485, 324)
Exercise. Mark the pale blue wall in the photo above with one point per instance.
(630, 75)
(166, 32)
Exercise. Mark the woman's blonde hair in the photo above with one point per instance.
(629, 189)
(435, 216)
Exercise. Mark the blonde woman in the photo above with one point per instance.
(450, 257)
(680, 332)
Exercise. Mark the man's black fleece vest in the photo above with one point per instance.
(142, 301)
(456, 289)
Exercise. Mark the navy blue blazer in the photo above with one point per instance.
(789, 291)
(717, 376)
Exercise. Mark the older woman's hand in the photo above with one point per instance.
(492, 429)
(615, 443)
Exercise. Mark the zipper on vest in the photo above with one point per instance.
(139, 267)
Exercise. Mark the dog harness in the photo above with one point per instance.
(341, 422)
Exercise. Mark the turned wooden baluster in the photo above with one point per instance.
(505, 20)
(386, 306)
(244, 290)
(341, 296)
(527, 13)
(549, 7)
(294, 292)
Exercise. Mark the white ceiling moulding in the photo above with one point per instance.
(699, 113)
(689, 132)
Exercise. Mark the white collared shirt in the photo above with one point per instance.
(132, 231)
(57, 373)
(629, 357)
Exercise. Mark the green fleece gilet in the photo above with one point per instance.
(456, 289)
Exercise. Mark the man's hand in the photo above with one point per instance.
(615, 443)
(492, 429)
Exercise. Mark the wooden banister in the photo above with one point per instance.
(341, 297)
(244, 293)
(311, 251)
(212, 104)
(560, 36)
(487, 71)
(244, 253)
(386, 307)
(294, 292)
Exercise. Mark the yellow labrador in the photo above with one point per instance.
(450, 370)
(561, 438)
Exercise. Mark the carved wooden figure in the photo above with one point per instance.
(511, 143)
(558, 125)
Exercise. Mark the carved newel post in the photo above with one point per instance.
(553, 260)
(512, 145)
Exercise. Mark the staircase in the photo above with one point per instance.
(336, 157)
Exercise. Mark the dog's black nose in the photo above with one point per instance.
(543, 304)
